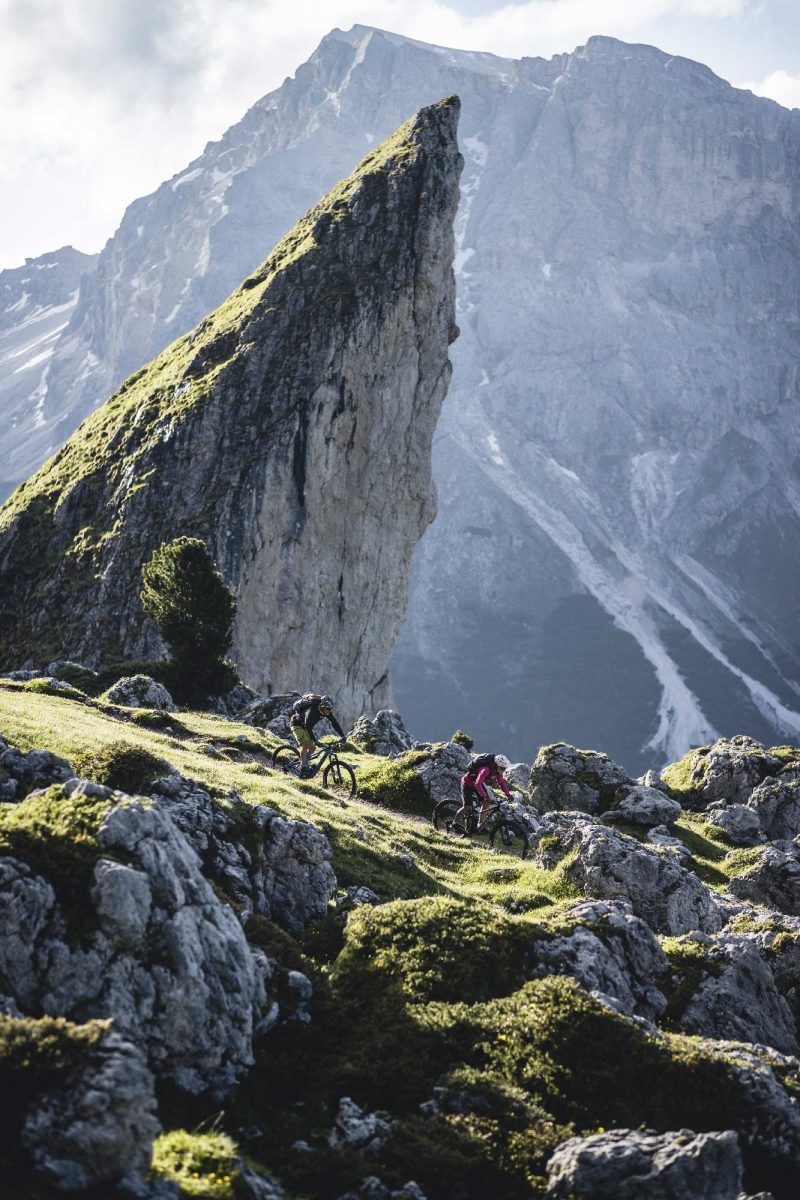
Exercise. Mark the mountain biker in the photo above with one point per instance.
(307, 712)
(483, 770)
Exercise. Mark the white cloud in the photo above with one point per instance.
(779, 85)
(100, 100)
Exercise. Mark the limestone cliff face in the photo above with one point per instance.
(290, 430)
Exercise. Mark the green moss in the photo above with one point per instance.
(393, 783)
(691, 963)
(684, 778)
(433, 948)
(35, 1054)
(56, 835)
(154, 718)
(121, 765)
(203, 1164)
(278, 944)
(462, 739)
(789, 755)
(45, 687)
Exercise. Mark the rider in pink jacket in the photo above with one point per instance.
(486, 769)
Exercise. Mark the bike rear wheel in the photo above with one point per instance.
(287, 759)
(340, 778)
(444, 819)
(511, 838)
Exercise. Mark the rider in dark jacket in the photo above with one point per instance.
(307, 712)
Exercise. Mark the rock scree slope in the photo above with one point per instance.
(290, 430)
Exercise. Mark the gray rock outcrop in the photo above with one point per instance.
(22, 772)
(140, 691)
(383, 734)
(161, 954)
(644, 806)
(740, 823)
(774, 881)
(608, 865)
(611, 953)
(98, 1125)
(290, 430)
(630, 1164)
(736, 996)
(776, 805)
(268, 864)
(441, 771)
(563, 777)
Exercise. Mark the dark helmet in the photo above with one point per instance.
(326, 705)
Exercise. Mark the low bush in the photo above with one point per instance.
(203, 1164)
(393, 783)
(121, 765)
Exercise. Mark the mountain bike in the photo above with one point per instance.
(502, 831)
(337, 776)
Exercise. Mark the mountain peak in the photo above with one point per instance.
(290, 430)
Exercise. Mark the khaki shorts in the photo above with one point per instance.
(302, 737)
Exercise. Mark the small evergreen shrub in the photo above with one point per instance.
(462, 739)
(193, 610)
(121, 765)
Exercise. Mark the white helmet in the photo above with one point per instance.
(502, 762)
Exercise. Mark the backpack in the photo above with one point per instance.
(477, 764)
(305, 702)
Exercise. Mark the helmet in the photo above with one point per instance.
(325, 705)
(502, 762)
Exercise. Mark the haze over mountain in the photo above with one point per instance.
(615, 559)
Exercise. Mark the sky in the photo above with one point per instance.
(102, 100)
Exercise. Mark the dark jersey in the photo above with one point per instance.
(307, 714)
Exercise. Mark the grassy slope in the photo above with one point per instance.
(367, 840)
(425, 994)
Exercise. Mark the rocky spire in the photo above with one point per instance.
(290, 430)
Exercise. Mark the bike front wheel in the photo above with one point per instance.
(340, 778)
(287, 759)
(511, 838)
(444, 819)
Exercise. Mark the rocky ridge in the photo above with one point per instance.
(154, 910)
(270, 432)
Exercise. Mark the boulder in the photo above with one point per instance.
(518, 777)
(384, 734)
(271, 713)
(563, 777)
(608, 865)
(269, 864)
(661, 837)
(140, 691)
(21, 773)
(776, 804)
(629, 1164)
(645, 806)
(98, 1125)
(441, 770)
(774, 881)
(727, 772)
(735, 996)
(612, 953)
(739, 823)
(357, 1129)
